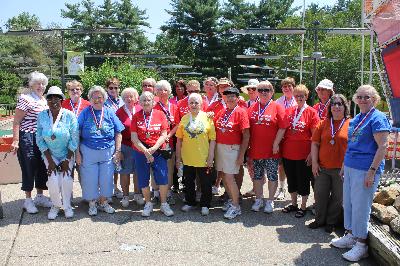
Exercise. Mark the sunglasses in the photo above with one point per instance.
(365, 98)
(147, 85)
(339, 104)
(264, 90)
(252, 89)
(113, 88)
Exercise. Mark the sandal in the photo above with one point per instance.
(300, 213)
(290, 208)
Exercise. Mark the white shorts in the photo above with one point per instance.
(226, 158)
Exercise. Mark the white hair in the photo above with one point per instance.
(36, 76)
(196, 96)
(97, 88)
(130, 90)
(146, 95)
(376, 98)
(149, 80)
(163, 84)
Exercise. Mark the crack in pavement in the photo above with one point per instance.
(14, 238)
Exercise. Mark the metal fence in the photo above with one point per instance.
(7, 109)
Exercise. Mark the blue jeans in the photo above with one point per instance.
(357, 201)
(97, 171)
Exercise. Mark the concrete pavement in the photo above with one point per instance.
(125, 238)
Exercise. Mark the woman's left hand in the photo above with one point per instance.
(210, 162)
(65, 167)
(309, 159)
(118, 156)
(369, 178)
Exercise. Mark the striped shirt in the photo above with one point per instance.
(32, 105)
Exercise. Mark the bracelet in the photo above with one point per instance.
(372, 168)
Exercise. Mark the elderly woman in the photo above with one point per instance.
(251, 90)
(195, 148)
(232, 128)
(29, 105)
(296, 150)
(75, 103)
(287, 100)
(330, 137)
(325, 91)
(267, 128)
(362, 167)
(163, 91)
(148, 133)
(179, 92)
(210, 87)
(100, 145)
(57, 138)
(125, 113)
(148, 85)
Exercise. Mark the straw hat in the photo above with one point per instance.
(252, 83)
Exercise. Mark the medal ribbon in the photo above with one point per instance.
(167, 111)
(147, 122)
(73, 107)
(54, 125)
(286, 103)
(98, 124)
(332, 128)
(298, 116)
(361, 122)
(114, 104)
(320, 112)
(128, 112)
(214, 98)
(261, 112)
(226, 116)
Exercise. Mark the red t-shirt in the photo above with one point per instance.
(322, 110)
(230, 133)
(126, 121)
(183, 108)
(157, 124)
(67, 104)
(218, 106)
(263, 129)
(173, 114)
(297, 143)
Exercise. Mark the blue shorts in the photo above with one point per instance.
(142, 167)
(128, 163)
(269, 166)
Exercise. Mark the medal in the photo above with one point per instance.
(97, 123)
(353, 135)
(147, 135)
(297, 116)
(147, 123)
(225, 119)
(258, 122)
(75, 111)
(322, 109)
(286, 103)
(223, 130)
(261, 112)
(53, 137)
(114, 104)
(55, 123)
(333, 133)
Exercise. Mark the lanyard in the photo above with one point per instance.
(114, 104)
(286, 103)
(213, 99)
(361, 122)
(298, 116)
(77, 108)
(261, 112)
(128, 112)
(320, 112)
(147, 122)
(226, 116)
(167, 110)
(332, 127)
(55, 123)
(98, 123)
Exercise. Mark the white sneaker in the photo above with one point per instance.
(269, 206)
(147, 209)
(186, 208)
(138, 198)
(166, 209)
(92, 208)
(215, 190)
(232, 212)
(346, 241)
(205, 211)
(358, 252)
(69, 213)
(105, 207)
(257, 205)
(118, 193)
(198, 196)
(53, 213)
(30, 207)
(42, 201)
(281, 194)
(125, 201)
(227, 205)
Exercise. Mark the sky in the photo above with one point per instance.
(48, 11)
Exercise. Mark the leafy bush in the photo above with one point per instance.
(127, 75)
(9, 85)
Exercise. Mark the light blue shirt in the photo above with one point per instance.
(66, 134)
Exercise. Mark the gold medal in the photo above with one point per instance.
(332, 142)
(147, 135)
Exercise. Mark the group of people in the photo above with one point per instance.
(165, 131)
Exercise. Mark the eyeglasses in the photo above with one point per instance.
(98, 98)
(252, 88)
(338, 104)
(365, 97)
(113, 88)
(196, 91)
(264, 90)
(301, 96)
(147, 85)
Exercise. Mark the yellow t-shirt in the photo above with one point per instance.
(196, 138)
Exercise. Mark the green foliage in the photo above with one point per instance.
(9, 85)
(128, 76)
(23, 21)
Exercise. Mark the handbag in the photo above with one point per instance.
(165, 153)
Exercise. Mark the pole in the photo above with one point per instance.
(316, 23)
(62, 62)
(371, 64)
(302, 43)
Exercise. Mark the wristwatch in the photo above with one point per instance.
(372, 168)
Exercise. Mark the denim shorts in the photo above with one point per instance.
(128, 163)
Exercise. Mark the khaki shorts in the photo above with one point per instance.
(226, 158)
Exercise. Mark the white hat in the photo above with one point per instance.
(54, 90)
(325, 84)
(250, 84)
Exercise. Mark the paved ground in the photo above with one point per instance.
(126, 238)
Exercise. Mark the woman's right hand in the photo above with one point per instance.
(315, 169)
(15, 146)
(78, 158)
(51, 167)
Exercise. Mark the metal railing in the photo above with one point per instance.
(7, 109)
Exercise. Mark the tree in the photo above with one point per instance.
(23, 21)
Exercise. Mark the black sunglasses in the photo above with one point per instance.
(264, 90)
(366, 97)
(337, 104)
